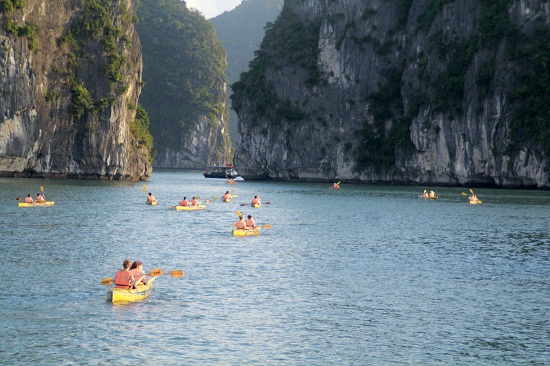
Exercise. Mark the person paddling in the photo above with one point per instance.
(226, 196)
(194, 201)
(39, 198)
(29, 199)
(136, 270)
(123, 278)
(184, 202)
(336, 186)
(256, 200)
(151, 198)
(250, 222)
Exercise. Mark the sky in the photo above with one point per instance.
(212, 8)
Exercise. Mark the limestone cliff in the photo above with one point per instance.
(184, 93)
(450, 92)
(70, 82)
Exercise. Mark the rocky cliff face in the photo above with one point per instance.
(204, 143)
(412, 92)
(71, 73)
(185, 86)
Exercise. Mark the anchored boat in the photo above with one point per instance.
(221, 171)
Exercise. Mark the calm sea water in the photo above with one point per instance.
(369, 275)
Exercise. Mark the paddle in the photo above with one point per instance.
(154, 273)
(43, 196)
(263, 203)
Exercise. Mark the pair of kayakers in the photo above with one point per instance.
(185, 203)
(39, 199)
(428, 195)
(245, 224)
(130, 275)
(473, 198)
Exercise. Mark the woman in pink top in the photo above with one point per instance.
(136, 271)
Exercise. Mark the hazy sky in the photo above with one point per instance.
(211, 8)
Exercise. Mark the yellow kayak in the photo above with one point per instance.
(122, 295)
(227, 200)
(246, 232)
(189, 208)
(151, 203)
(37, 204)
(477, 202)
(256, 205)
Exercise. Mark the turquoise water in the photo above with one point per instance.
(368, 275)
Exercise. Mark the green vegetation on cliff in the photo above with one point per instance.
(29, 31)
(288, 42)
(532, 94)
(98, 34)
(94, 32)
(184, 67)
(241, 31)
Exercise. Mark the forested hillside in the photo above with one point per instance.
(184, 91)
(241, 31)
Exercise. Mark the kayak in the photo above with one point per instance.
(226, 200)
(189, 208)
(151, 203)
(256, 205)
(36, 204)
(477, 202)
(123, 295)
(246, 232)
